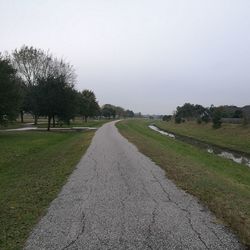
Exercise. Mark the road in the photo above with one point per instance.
(117, 198)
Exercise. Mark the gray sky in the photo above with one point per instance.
(145, 55)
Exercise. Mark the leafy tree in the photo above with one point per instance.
(55, 97)
(31, 64)
(206, 116)
(109, 111)
(129, 113)
(88, 105)
(35, 65)
(68, 108)
(190, 112)
(106, 112)
(217, 118)
(23, 104)
(178, 119)
(166, 118)
(10, 91)
(238, 113)
(120, 112)
(185, 111)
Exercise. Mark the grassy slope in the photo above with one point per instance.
(222, 185)
(233, 136)
(33, 168)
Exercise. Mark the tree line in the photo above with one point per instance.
(34, 81)
(111, 111)
(212, 114)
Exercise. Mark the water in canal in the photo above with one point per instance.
(237, 157)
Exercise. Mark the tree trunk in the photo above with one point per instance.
(21, 115)
(35, 119)
(49, 120)
(54, 122)
(85, 118)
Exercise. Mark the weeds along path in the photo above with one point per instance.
(117, 198)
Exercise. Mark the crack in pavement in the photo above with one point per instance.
(183, 209)
(149, 233)
(82, 221)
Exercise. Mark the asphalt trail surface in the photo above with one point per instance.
(117, 198)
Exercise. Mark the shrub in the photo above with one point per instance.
(178, 119)
(217, 119)
(199, 120)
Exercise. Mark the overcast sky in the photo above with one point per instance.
(145, 55)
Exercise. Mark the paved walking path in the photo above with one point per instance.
(119, 199)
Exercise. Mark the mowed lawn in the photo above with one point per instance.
(33, 168)
(42, 123)
(220, 184)
(233, 136)
(78, 123)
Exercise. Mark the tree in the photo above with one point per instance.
(23, 104)
(108, 111)
(129, 113)
(217, 118)
(60, 69)
(119, 111)
(166, 118)
(35, 65)
(10, 91)
(238, 114)
(186, 111)
(88, 104)
(31, 64)
(177, 119)
(55, 97)
(191, 112)
(68, 109)
(206, 116)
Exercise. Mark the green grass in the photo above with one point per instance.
(12, 125)
(79, 123)
(33, 168)
(233, 136)
(220, 184)
(42, 123)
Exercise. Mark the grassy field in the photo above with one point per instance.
(79, 123)
(233, 136)
(220, 184)
(33, 168)
(12, 125)
(42, 123)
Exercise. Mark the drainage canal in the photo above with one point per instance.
(237, 157)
